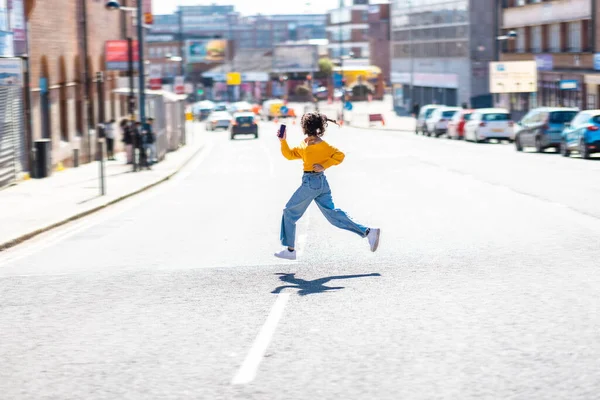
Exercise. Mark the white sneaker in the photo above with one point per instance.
(286, 254)
(373, 238)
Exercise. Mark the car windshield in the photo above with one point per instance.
(429, 112)
(496, 117)
(449, 114)
(244, 119)
(562, 117)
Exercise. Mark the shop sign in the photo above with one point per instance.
(544, 62)
(597, 62)
(513, 77)
(568, 84)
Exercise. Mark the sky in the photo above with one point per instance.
(251, 7)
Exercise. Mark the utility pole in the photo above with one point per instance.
(141, 69)
(86, 81)
(341, 60)
(181, 48)
(412, 59)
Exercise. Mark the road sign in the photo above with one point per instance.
(284, 110)
(348, 106)
(234, 78)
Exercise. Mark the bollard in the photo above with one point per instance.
(76, 158)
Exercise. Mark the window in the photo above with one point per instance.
(574, 36)
(562, 117)
(555, 38)
(580, 118)
(496, 117)
(521, 40)
(536, 39)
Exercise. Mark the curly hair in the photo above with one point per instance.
(315, 123)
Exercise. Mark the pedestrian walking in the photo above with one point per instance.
(150, 140)
(140, 145)
(109, 132)
(415, 110)
(127, 135)
(317, 156)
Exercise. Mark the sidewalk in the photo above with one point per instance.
(35, 206)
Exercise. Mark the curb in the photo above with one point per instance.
(30, 235)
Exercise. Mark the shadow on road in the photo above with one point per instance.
(315, 286)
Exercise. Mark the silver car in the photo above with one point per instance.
(218, 119)
(425, 113)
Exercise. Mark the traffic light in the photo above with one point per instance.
(200, 91)
(309, 77)
(148, 18)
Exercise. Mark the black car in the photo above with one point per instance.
(244, 124)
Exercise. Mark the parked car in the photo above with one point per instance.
(424, 113)
(489, 123)
(542, 128)
(456, 126)
(244, 123)
(218, 119)
(582, 134)
(437, 123)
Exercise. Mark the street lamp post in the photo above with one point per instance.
(115, 5)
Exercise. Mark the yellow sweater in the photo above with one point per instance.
(320, 153)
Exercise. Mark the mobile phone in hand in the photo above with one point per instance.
(281, 131)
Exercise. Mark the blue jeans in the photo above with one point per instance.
(314, 187)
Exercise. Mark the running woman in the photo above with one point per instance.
(317, 156)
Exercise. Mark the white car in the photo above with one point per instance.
(489, 123)
(437, 123)
(218, 119)
(424, 113)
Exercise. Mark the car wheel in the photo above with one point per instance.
(518, 144)
(256, 136)
(584, 150)
(232, 136)
(538, 145)
(564, 149)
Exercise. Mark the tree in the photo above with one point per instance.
(325, 67)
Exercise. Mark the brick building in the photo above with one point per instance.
(561, 37)
(56, 55)
(348, 31)
(379, 38)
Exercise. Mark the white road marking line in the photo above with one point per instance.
(50, 239)
(247, 371)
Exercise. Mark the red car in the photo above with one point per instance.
(456, 126)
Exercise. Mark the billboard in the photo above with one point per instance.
(11, 72)
(295, 58)
(205, 51)
(513, 77)
(16, 13)
(117, 55)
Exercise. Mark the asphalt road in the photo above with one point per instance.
(486, 284)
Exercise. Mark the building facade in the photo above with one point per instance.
(561, 36)
(379, 38)
(58, 108)
(441, 50)
(348, 31)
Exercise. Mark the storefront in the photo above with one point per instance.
(427, 88)
(557, 89)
